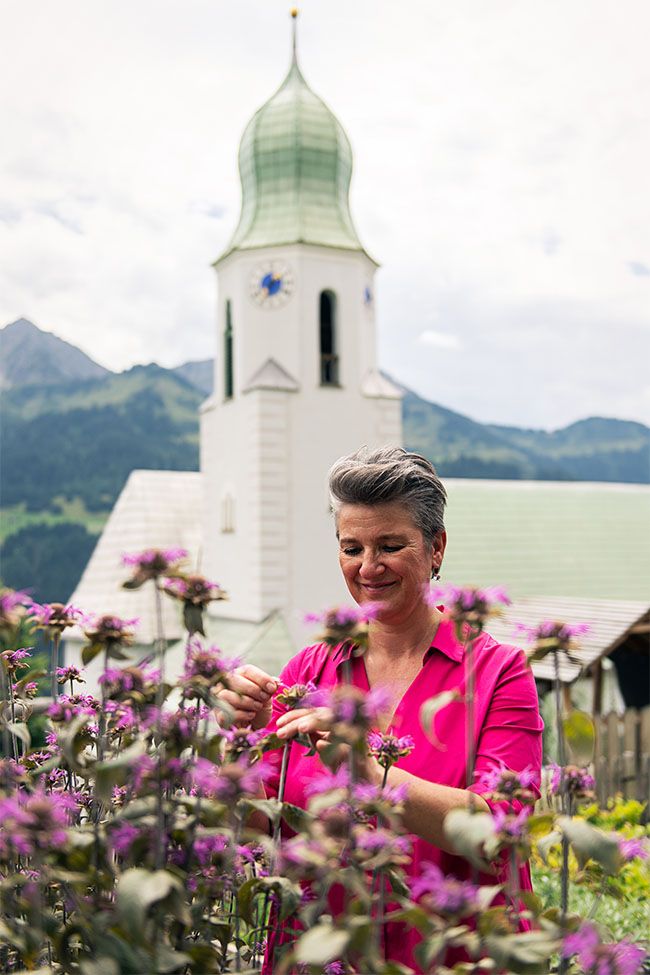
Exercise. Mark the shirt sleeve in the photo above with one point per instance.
(511, 734)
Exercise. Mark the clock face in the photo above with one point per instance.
(271, 284)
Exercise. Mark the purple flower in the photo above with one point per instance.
(108, 631)
(229, 782)
(15, 659)
(31, 821)
(28, 690)
(388, 749)
(335, 968)
(468, 606)
(55, 617)
(327, 781)
(579, 782)
(71, 673)
(11, 772)
(368, 794)
(345, 624)
(635, 848)
(302, 696)
(511, 828)
(209, 849)
(11, 600)
(122, 837)
(66, 707)
(152, 556)
(504, 784)
(207, 663)
(193, 589)
(552, 636)
(444, 895)
(597, 958)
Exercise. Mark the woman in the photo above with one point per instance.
(388, 507)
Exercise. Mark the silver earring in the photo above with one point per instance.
(435, 575)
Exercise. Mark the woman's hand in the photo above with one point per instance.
(250, 695)
(315, 722)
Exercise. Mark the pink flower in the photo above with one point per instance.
(327, 781)
(444, 895)
(578, 782)
(636, 848)
(31, 821)
(345, 624)
(502, 783)
(122, 837)
(151, 556)
(511, 827)
(597, 958)
(388, 749)
(55, 616)
(15, 659)
(370, 795)
(552, 636)
(301, 696)
(71, 673)
(208, 663)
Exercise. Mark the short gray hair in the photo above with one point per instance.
(390, 474)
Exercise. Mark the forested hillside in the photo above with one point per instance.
(72, 432)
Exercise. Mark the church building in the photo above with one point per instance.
(296, 385)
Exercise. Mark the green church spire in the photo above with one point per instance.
(295, 164)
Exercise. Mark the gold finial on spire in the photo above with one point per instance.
(294, 17)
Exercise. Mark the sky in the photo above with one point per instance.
(502, 152)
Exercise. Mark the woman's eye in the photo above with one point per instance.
(351, 551)
(392, 548)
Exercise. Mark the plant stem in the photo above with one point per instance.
(56, 641)
(468, 658)
(161, 646)
(564, 805)
(277, 826)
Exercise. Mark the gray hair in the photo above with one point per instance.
(390, 474)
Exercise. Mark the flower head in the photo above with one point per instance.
(469, 605)
(31, 821)
(388, 749)
(15, 660)
(55, 617)
(70, 673)
(301, 696)
(152, 564)
(503, 784)
(552, 636)
(634, 848)
(598, 958)
(108, 632)
(13, 605)
(511, 829)
(345, 624)
(444, 894)
(578, 782)
(195, 592)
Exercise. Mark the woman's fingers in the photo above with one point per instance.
(305, 721)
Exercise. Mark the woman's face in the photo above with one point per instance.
(385, 559)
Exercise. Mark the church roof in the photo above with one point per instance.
(156, 509)
(295, 164)
(271, 375)
(546, 538)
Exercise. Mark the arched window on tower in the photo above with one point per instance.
(329, 360)
(228, 383)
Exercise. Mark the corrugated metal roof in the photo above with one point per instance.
(156, 509)
(609, 620)
(543, 538)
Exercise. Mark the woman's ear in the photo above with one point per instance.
(437, 553)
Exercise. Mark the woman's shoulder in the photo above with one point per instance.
(506, 655)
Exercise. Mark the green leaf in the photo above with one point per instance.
(468, 832)
(115, 771)
(527, 953)
(540, 824)
(580, 734)
(271, 808)
(193, 619)
(321, 945)
(429, 710)
(547, 842)
(138, 890)
(589, 843)
(20, 730)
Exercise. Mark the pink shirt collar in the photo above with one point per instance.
(445, 641)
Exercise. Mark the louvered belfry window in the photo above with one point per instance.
(329, 360)
(228, 382)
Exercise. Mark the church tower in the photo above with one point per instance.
(296, 381)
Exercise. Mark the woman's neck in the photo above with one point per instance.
(409, 639)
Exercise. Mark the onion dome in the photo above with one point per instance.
(295, 164)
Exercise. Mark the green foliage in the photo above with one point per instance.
(46, 559)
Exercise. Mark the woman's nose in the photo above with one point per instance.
(371, 565)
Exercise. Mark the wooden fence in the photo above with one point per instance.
(622, 757)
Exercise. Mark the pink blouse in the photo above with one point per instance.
(508, 731)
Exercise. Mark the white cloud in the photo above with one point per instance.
(439, 340)
(501, 154)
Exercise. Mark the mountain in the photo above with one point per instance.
(72, 432)
(199, 373)
(28, 351)
(596, 449)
